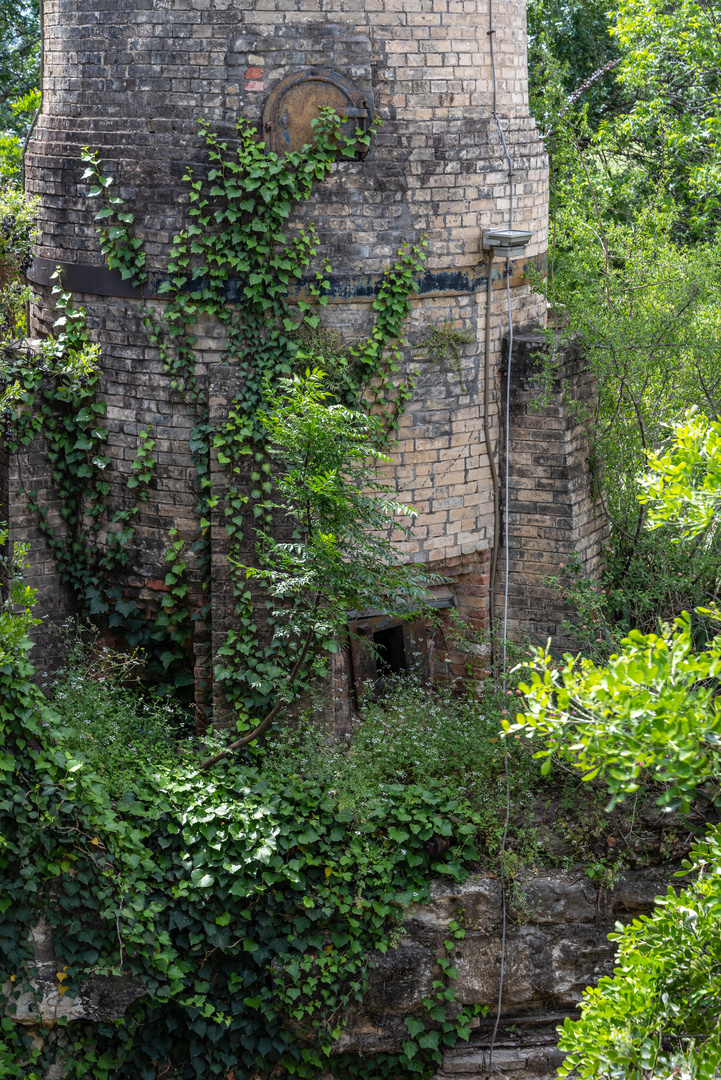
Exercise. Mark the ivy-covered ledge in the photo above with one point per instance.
(556, 945)
(46, 1002)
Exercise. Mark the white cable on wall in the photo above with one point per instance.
(491, 32)
(508, 447)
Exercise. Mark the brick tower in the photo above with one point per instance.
(131, 80)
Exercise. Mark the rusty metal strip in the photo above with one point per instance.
(344, 288)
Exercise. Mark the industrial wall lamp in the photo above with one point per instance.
(506, 243)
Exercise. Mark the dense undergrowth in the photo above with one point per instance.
(249, 903)
(248, 908)
(124, 734)
(440, 738)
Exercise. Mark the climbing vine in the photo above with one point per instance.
(243, 917)
(444, 343)
(52, 390)
(238, 262)
(247, 914)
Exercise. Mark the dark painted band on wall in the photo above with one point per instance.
(100, 281)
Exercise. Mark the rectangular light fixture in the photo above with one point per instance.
(506, 243)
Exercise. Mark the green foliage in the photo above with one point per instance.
(670, 69)
(647, 123)
(340, 515)
(18, 232)
(249, 910)
(425, 739)
(144, 465)
(634, 266)
(11, 148)
(683, 482)
(658, 1015)
(53, 390)
(568, 41)
(235, 262)
(651, 711)
(426, 1042)
(124, 734)
(122, 250)
(17, 235)
(644, 311)
(19, 62)
(443, 345)
(241, 239)
(635, 287)
(634, 260)
(16, 599)
(641, 586)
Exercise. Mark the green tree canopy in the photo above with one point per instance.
(19, 60)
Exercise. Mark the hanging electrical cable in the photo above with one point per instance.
(503, 673)
(492, 589)
(489, 449)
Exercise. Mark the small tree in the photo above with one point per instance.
(340, 555)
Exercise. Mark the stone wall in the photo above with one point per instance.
(556, 945)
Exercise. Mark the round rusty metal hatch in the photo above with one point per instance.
(298, 99)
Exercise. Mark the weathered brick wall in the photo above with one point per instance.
(132, 80)
(30, 471)
(552, 511)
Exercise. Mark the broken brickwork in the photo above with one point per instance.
(554, 514)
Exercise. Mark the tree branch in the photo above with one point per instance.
(265, 724)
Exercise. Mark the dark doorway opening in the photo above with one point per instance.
(391, 651)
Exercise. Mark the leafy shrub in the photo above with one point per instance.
(652, 711)
(417, 737)
(17, 235)
(124, 734)
(657, 1016)
(11, 152)
(16, 600)
(248, 910)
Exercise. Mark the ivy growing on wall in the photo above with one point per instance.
(52, 390)
(241, 917)
(244, 915)
(235, 262)
(238, 262)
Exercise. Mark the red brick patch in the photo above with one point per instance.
(154, 584)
